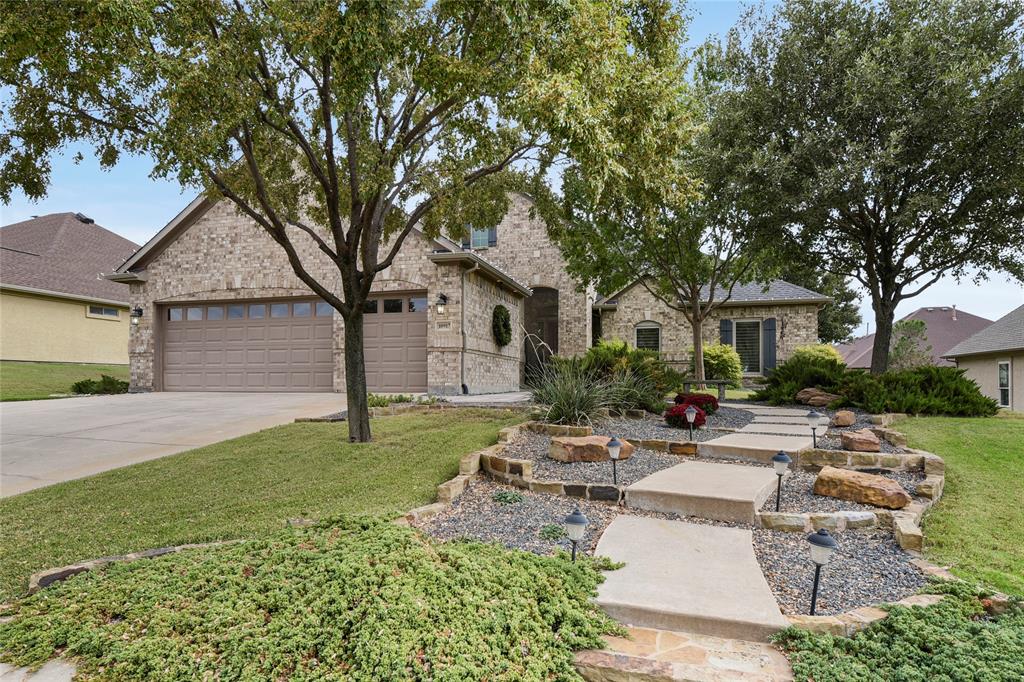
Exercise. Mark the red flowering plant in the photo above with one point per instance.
(704, 401)
(676, 416)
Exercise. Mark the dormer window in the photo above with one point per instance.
(481, 238)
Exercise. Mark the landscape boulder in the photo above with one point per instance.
(815, 397)
(861, 440)
(857, 486)
(585, 449)
(844, 418)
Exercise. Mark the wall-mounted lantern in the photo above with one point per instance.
(136, 315)
(442, 301)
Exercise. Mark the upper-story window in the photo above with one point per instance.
(481, 238)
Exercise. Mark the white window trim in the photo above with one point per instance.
(760, 343)
(646, 324)
(116, 317)
(473, 231)
(1009, 384)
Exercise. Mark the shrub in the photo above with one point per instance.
(105, 386)
(398, 607)
(797, 373)
(676, 416)
(375, 400)
(632, 389)
(822, 351)
(609, 357)
(704, 401)
(721, 361)
(568, 392)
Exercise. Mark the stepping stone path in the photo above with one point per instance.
(779, 429)
(687, 577)
(753, 446)
(711, 490)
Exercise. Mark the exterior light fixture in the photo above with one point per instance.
(823, 546)
(614, 448)
(442, 301)
(691, 416)
(575, 527)
(814, 419)
(136, 315)
(781, 462)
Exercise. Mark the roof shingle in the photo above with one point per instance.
(1005, 334)
(61, 253)
(945, 327)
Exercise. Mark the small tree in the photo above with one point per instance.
(883, 139)
(344, 124)
(909, 347)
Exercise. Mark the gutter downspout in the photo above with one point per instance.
(465, 344)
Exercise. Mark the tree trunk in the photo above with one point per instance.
(698, 345)
(355, 380)
(884, 315)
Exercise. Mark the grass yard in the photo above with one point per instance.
(39, 380)
(239, 488)
(978, 526)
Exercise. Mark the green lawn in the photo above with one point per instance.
(978, 526)
(37, 380)
(239, 488)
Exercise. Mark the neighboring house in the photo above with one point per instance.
(945, 327)
(994, 358)
(223, 310)
(55, 305)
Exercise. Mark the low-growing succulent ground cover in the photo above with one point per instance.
(350, 598)
(239, 488)
(952, 640)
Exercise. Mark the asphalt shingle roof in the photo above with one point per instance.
(1006, 333)
(945, 326)
(61, 253)
(775, 290)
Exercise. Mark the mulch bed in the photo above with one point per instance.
(798, 493)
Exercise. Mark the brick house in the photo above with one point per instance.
(222, 310)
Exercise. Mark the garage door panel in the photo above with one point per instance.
(234, 333)
(257, 332)
(214, 335)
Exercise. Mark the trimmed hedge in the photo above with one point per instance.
(106, 385)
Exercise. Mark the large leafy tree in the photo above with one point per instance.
(343, 123)
(883, 139)
(838, 318)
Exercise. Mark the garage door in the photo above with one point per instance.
(395, 343)
(249, 346)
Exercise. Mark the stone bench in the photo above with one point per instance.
(720, 383)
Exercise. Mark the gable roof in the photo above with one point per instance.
(774, 292)
(63, 254)
(1005, 334)
(945, 327)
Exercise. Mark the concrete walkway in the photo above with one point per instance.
(56, 670)
(753, 446)
(710, 490)
(688, 577)
(43, 442)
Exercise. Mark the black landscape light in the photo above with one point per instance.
(614, 448)
(814, 419)
(781, 462)
(691, 416)
(823, 546)
(575, 527)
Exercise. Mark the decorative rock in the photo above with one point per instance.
(858, 519)
(449, 490)
(826, 625)
(857, 486)
(908, 534)
(895, 437)
(931, 487)
(678, 448)
(844, 418)
(815, 397)
(550, 487)
(585, 449)
(860, 441)
(606, 493)
(783, 521)
(826, 521)
(933, 464)
(470, 463)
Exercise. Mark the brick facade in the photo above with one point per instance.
(796, 324)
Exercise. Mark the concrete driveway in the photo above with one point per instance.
(47, 441)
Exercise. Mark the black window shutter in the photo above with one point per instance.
(768, 342)
(465, 242)
(725, 332)
(492, 236)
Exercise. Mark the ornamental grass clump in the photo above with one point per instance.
(349, 598)
(570, 393)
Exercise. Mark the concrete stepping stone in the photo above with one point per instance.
(687, 577)
(752, 446)
(768, 419)
(710, 490)
(770, 410)
(56, 670)
(780, 429)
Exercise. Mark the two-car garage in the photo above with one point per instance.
(288, 345)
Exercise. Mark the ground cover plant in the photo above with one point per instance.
(351, 598)
(978, 526)
(40, 380)
(952, 640)
(920, 390)
(240, 488)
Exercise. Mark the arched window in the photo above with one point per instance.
(648, 335)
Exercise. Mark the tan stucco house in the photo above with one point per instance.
(994, 359)
(222, 310)
(55, 305)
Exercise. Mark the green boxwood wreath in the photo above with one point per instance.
(501, 325)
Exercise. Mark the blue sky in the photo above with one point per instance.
(128, 202)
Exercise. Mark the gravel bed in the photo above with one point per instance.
(798, 493)
(653, 429)
(476, 515)
(868, 568)
(534, 447)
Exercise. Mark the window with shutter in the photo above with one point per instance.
(648, 336)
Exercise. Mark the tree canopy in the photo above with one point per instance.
(882, 139)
